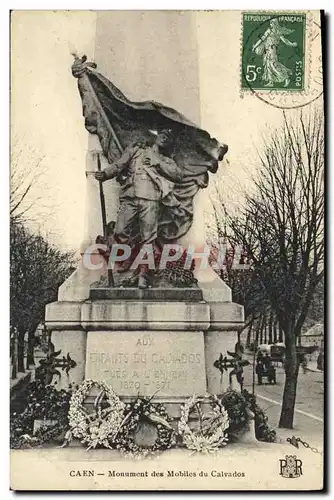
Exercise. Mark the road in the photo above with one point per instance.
(309, 409)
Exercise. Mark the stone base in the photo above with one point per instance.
(147, 346)
(152, 294)
(172, 404)
(160, 342)
(171, 326)
(248, 435)
(78, 286)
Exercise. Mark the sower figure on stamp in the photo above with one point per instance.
(267, 45)
(147, 175)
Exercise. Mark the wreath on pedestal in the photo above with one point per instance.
(101, 426)
(45, 404)
(116, 425)
(211, 434)
(143, 411)
(113, 424)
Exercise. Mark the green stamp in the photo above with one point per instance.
(273, 51)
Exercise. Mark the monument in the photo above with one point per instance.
(145, 329)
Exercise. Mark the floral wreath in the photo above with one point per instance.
(101, 426)
(211, 434)
(140, 411)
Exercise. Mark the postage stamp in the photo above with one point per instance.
(273, 51)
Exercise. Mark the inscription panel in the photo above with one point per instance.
(147, 362)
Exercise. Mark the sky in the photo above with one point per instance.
(46, 112)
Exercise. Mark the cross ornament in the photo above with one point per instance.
(223, 363)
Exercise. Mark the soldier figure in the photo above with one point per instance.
(147, 174)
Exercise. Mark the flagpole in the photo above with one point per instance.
(111, 281)
(102, 199)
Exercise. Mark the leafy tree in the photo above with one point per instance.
(37, 269)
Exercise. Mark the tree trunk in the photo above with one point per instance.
(31, 345)
(20, 351)
(265, 327)
(280, 335)
(275, 332)
(270, 328)
(14, 356)
(290, 385)
(249, 334)
(256, 336)
(261, 329)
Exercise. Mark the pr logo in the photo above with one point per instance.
(290, 466)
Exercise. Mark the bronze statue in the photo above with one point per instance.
(160, 178)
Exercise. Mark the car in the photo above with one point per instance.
(267, 371)
(277, 353)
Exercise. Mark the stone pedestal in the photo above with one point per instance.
(145, 347)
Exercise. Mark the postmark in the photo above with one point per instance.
(281, 61)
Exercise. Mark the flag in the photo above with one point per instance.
(120, 123)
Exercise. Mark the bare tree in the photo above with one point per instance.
(37, 268)
(245, 285)
(26, 184)
(281, 226)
